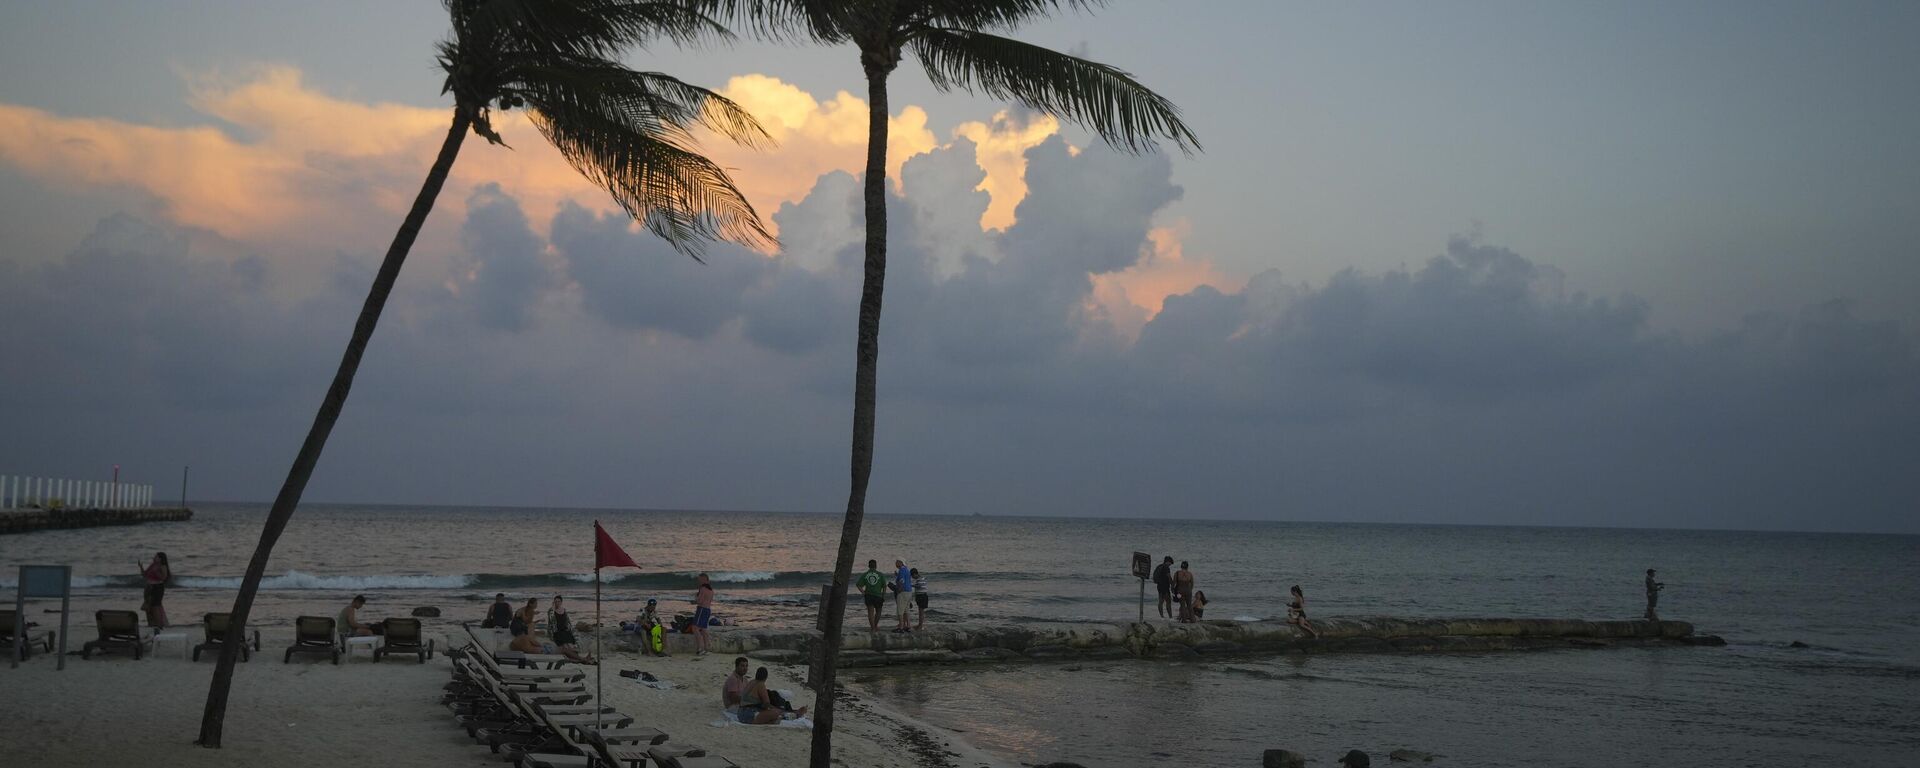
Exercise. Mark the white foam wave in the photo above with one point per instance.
(293, 580)
(79, 582)
(733, 577)
(1247, 618)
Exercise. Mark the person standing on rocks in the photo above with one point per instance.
(702, 615)
(873, 589)
(1183, 592)
(902, 593)
(1653, 595)
(1163, 583)
(919, 600)
(1297, 612)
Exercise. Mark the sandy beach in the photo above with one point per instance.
(99, 712)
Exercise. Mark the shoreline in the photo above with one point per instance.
(97, 712)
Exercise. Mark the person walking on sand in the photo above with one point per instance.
(1653, 595)
(902, 593)
(1163, 583)
(1183, 592)
(919, 599)
(702, 615)
(1297, 612)
(873, 590)
(155, 575)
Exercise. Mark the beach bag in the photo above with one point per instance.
(681, 622)
(893, 586)
(655, 640)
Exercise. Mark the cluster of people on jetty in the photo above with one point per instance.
(1179, 599)
(908, 586)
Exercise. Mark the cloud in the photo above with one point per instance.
(1473, 386)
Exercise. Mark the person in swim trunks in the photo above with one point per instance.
(702, 615)
(1163, 583)
(873, 588)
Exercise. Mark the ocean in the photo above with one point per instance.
(1848, 697)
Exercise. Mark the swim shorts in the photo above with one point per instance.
(920, 598)
(702, 616)
(747, 713)
(876, 602)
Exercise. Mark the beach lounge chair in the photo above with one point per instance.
(119, 631)
(313, 634)
(403, 636)
(10, 624)
(685, 757)
(215, 625)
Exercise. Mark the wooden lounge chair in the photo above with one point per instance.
(119, 631)
(9, 625)
(313, 634)
(403, 636)
(215, 625)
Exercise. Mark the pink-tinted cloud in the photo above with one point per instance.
(1133, 296)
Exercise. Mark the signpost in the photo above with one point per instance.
(1142, 568)
(41, 581)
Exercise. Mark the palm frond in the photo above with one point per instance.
(992, 14)
(660, 103)
(783, 20)
(1104, 99)
(673, 191)
(586, 27)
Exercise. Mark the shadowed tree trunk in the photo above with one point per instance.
(865, 386)
(289, 498)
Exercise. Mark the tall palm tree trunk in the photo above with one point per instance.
(865, 386)
(303, 464)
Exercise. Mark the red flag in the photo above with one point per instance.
(606, 553)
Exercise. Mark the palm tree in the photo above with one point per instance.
(956, 45)
(629, 132)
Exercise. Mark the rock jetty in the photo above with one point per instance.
(951, 643)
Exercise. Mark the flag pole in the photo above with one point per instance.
(599, 689)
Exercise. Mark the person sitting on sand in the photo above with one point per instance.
(652, 632)
(500, 615)
(525, 641)
(1199, 605)
(350, 623)
(734, 690)
(757, 706)
(560, 627)
(1297, 612)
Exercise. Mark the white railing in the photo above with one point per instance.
(26, 492)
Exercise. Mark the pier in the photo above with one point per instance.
(45, 503)
(26, 520)
(954, 643)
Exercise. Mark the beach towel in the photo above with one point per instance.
(727, 720)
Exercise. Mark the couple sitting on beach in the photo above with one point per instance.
(558, 624)
(750, 701)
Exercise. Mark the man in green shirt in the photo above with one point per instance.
(873, 585)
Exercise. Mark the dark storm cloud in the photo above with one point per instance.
(506, 275)
(1473, 387)
(633, 280)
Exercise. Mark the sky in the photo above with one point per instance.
(1632, 264)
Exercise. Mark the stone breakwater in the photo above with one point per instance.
(1160, 639)
(25, 520)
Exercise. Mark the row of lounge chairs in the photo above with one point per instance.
(120, 631)
(546, 718)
